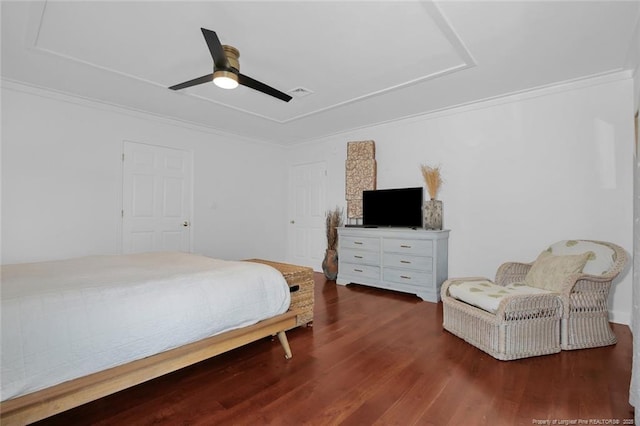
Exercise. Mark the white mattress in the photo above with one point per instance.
(66, 319)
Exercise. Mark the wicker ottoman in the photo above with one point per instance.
(522, 327)
(300, 280)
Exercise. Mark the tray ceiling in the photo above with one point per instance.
(362, 62)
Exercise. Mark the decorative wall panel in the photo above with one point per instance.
(360, 169)
(361, 176)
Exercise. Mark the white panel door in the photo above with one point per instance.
(156, 205)
(307, 240)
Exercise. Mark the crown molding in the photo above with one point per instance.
(518, 96)
(96, 104)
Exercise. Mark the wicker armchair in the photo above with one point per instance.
(585, 314)
(525, 325)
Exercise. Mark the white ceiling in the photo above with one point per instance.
(365, 62)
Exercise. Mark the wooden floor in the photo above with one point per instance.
(376, 357)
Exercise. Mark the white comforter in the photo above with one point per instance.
(66, 319)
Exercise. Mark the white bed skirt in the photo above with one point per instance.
(65, 319)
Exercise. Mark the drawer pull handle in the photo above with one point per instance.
(405, 261)
(405, 277)
(358, 270)
(405, 246)
(358, 257)
(358, 243)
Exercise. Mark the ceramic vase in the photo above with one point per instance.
(330, 264)
(433, 215)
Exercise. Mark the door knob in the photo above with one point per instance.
(185, 223)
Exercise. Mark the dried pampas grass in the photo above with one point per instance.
(432, 178)
(334, 221)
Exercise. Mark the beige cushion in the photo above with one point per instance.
(487, 295)
(549, 272)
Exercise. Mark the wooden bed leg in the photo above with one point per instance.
(285, 344)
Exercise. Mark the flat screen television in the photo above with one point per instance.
(401, 207)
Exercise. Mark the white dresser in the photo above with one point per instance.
(408, 260)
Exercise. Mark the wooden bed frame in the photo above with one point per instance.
(64, 396)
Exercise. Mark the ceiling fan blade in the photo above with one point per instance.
(220, 60)
(204, 79)
(261, 87)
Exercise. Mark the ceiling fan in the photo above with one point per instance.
(226, 70)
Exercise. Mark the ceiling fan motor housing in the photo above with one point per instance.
(232, 56)
(227, 78)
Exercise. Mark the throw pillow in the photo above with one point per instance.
(549, 272)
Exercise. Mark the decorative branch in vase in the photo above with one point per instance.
(433, 207)
(330, 262)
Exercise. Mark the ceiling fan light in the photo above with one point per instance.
(225, 79)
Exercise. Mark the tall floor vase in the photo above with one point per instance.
(433, 215)
(330, 264)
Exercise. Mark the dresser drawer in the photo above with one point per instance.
(360, 256)
(417, 247)
(401, 260)
(409, 277)
(359, 243)
(353, 271)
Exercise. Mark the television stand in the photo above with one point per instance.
(402, 259)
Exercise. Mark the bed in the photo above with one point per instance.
(76, 330)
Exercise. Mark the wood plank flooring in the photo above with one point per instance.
(375, 357)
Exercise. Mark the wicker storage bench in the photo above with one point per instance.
(301, 284)
(523, 326)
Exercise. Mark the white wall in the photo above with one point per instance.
(633, 62)
(61, 181)
(519, 173)
(634, 391)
